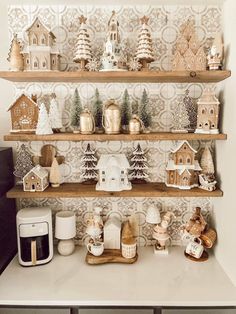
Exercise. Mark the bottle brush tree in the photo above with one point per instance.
(125, 110)
(143, 110)
(97, 110)
(44, 124)
(55, 116)
(76, 110)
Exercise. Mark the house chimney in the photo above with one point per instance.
(34, 97)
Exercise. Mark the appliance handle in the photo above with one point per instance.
(33, 253)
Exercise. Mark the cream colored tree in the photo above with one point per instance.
(83, 48)
(15, 57)
(180, 119)
(43, 125)
(206, 162)
(144, 51)
(55, 116)
(55, 176)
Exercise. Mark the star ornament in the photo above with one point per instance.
(82, 19)
(144, 19)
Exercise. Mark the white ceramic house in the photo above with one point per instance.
(113, 173)
(41, 54)
(112, 233)
(36, 180)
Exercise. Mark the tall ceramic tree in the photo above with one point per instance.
(24, 162)
(43, 125)
(125, 110)
(76, 109)
(88, 166)
(55, 116)
(143, 111)
(138, 166)
(97, 111)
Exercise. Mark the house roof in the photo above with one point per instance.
(38, 20)
(21, 98)
(118, 160)
(208, 97)
(171, 166)
(113, 221)
(181, 171)
(180, 144)
(38, 171)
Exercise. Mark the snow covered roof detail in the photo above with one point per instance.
(38, 171)
(118, 160)
(38, 20)
(21, 98)
(180, 144)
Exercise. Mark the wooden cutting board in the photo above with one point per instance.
(109, 256)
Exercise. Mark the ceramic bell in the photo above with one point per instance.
(135, 125)
(87, 124)
(153, 215)
(111, 118)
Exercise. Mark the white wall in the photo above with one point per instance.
(225, 208)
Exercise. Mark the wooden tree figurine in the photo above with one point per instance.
(180, 119)
(89, 163)
(125, 111)
(55, 116)
(76, 110)
(83, 48)
(97, 110)
(23, 162)
(55, 177)
(15, 57)
(142, 110)
(138, 166)
(44, 125)
(144, 52)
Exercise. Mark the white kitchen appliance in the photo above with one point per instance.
(34, 236)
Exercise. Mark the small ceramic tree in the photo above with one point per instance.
(97, 111)
(89, 163)
(76, 110)
(125, 111)
(142, 111)
(83, 48)
(43, 125)
(55, 116)
(15, 57)
(23, 162)
(144, 52)
(192, 111)
(55, 176)
(180, 119)
(138, 166)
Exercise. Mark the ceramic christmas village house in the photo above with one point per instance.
(36, 180)
(24, 114)
(113, 173)
(41, 53)
(112, 233)
(182, 169)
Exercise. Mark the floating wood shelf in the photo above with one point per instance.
(162, 136)
(120, 77)
(68, 190)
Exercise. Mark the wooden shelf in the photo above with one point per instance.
(162, 136)
(68, 190)
(120, 77)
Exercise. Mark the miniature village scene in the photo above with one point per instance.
(108, 124)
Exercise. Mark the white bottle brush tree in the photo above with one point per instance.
(97, 111)
(138, 166)
(143, 111)
(76, 109)
(55, 116)
(24, 162)
(88, 166)
(125, 110)
(206, 162)
(144, 51)
(55, 176)
(83, 47)
(180, 119)
(43, 125)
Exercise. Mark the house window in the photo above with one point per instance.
(203, 111)
(103, 172)
(44, 64)
(200, 125)
(17, 112)
(34, 39)
(188, 160)
(122, 180)
(212, 111)
(27, 61)
(103, 180)
(36, 63)
(33, 177)
(185, 179)
(122, 172)
(53, 61)
(213, 125)
(43, 39)
(38, 25)
(185, 147)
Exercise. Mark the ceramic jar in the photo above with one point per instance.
(128, 249)
(135, 125)
(111, 118)
(87, 124)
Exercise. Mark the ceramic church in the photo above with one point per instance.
(113, 173)
(36, 180)
(208, 112)
(24, 114)
(111, 58)
(41, 53)
(182, 169)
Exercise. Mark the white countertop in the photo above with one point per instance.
(152, 281)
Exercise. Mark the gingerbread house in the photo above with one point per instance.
(208, 112)
(182, 169)
(41, 54)
(24, 114)
(36, 180)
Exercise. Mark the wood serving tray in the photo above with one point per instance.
(203, 258)
(109, 256)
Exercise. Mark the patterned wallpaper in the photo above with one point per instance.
(164, 23)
